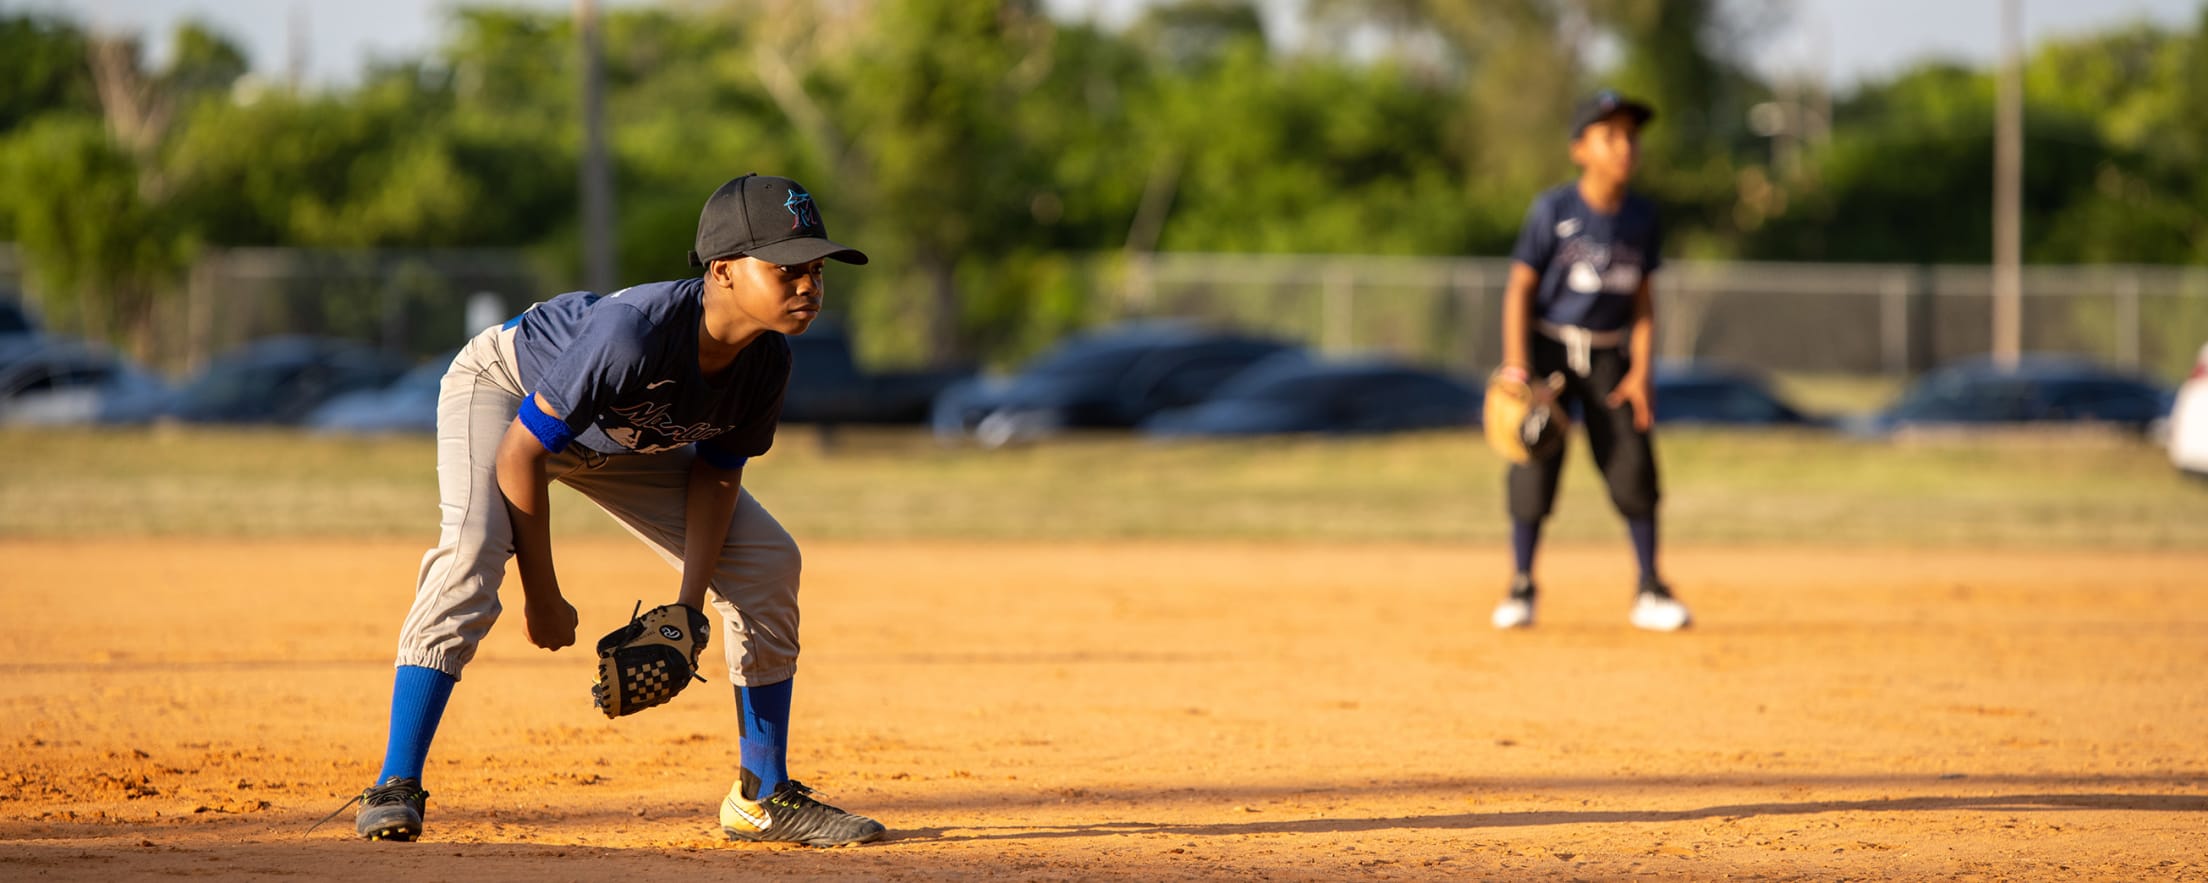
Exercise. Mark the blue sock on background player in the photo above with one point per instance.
(765, 710)
(1524, 537)
(418, 698)
(1644, 546)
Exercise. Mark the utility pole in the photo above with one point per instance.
(2008, 192)
(599, 272)
(295, 52)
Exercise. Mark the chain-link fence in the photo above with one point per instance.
(1890, 319)
(405, 301)
(1822, 318)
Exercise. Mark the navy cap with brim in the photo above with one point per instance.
(770, 218)
(807, 249)
(1606, 104)
(789, 252)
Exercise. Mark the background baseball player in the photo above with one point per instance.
(1577, 306)
(648, 401)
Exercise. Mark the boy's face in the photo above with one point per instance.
(1609, 147)
(781, 298)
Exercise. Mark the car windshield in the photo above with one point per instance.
(1084, 357)
(1289, 386)
(13, 320)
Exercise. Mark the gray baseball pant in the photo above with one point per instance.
(456, 597)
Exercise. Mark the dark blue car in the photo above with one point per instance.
(63, 381)
(1335, 398)
(406, 405)
(2039, 389)
(827, 386)
(1705, 393)
(277, 380)
(1114, 378)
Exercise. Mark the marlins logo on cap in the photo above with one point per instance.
(772, 219)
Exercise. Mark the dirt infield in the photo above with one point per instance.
(189, 707)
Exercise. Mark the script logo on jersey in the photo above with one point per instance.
(1597, 267)
(802, 213)
(650, 431)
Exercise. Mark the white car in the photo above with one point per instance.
(2189, 420)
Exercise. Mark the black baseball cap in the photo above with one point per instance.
(1606, 104)
(772, 219)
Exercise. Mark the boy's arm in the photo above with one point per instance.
(710, 506)
(1640, 342)
(1518, 320)
(550, 620)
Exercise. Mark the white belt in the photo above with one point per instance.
(1580, 343)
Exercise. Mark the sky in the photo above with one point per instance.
(1847, 40)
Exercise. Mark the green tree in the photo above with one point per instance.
(99, 251)
(42, 69)
(89, 197)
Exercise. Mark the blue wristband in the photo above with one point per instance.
(552, 432)
(720, 459)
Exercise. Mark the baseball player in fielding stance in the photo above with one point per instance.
(1577, 308)
(648, 401)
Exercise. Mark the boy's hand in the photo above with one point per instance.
(1633, 390)
(549, 624)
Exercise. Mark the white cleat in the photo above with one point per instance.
(1513, 614)
(1657, 611)
(1516, 611)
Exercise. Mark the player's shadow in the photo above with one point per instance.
(1542, 818)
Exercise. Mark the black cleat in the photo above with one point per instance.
(392, 810)
(791, 815)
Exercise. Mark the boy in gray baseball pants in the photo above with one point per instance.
(648, 401)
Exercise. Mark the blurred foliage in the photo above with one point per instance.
(990, 157)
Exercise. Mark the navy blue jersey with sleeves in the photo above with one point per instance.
(622, 371)
(1589, 263)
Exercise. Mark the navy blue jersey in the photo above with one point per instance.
(622, 371)
(1589, 263)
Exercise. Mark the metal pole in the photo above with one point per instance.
(2008, 194)
(1335, 333)
(2127, 320)
(1893, 324)
(599, 271)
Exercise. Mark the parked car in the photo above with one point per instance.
(1714, 394)
(2188, 426)
(827, 387)
(1113, 378)
(1295, 395)
(59, 381)
(2040, 389)
(19, 345)
(408, 404)
(14, 318)
(276, 380)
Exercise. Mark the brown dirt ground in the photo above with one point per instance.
(1155, 710)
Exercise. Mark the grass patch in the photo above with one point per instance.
(2082, 490)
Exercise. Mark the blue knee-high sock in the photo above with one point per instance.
(1524, 537)
(765, 710)
(418, 697)
(1644, 545)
